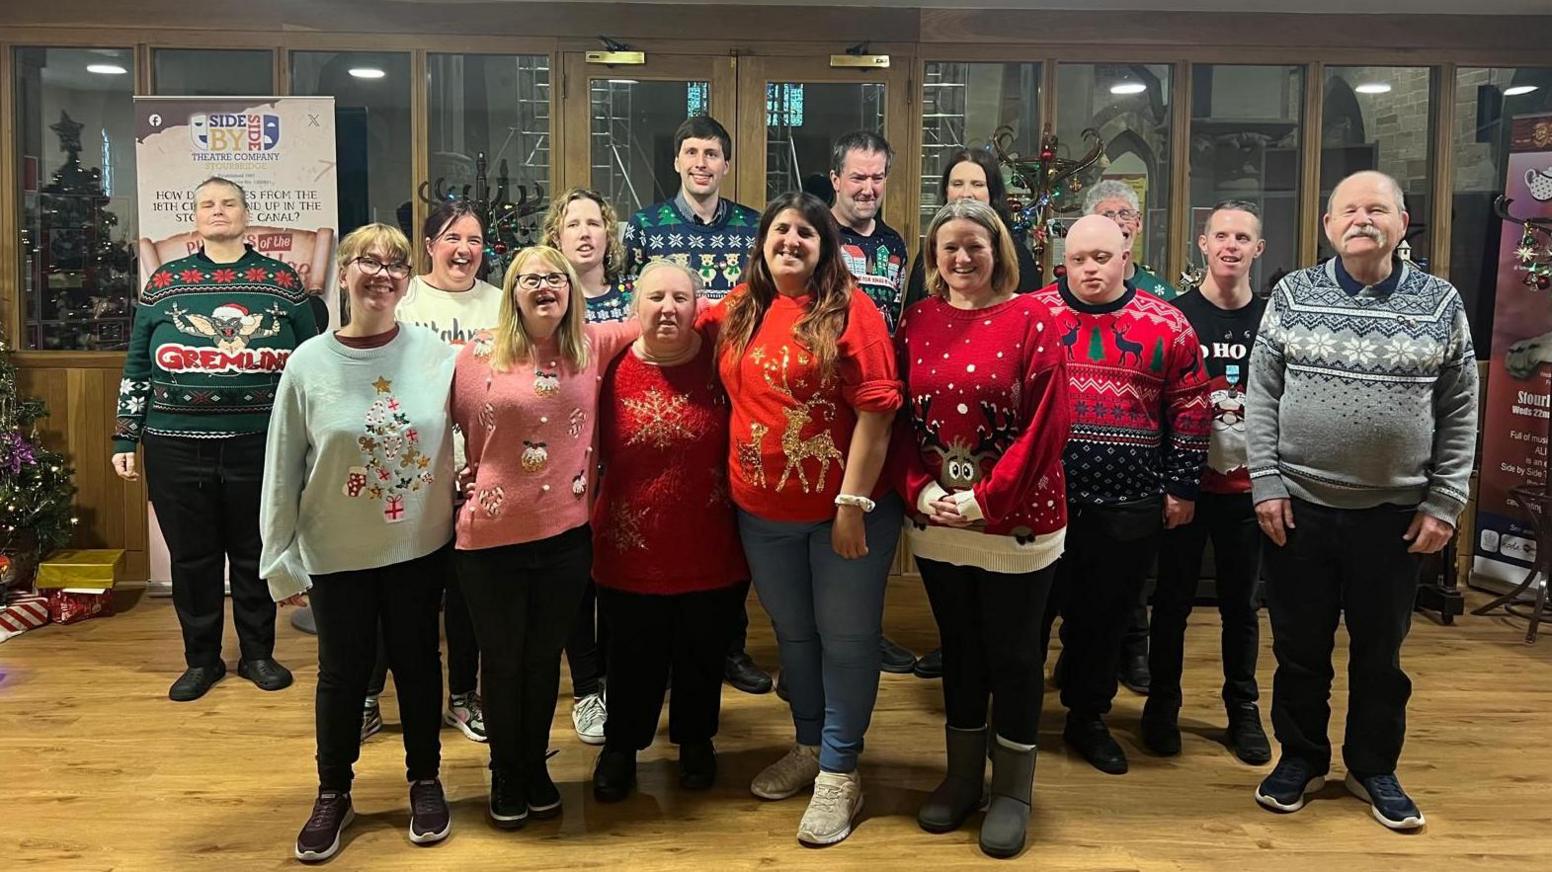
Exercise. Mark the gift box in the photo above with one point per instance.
(22, 612)
(85, 569)
(68, 605)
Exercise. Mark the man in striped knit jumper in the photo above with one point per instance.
(1364, 390)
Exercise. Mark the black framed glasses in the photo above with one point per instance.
(532, 281)
(1121, 214)
(371, 266)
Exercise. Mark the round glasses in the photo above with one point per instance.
(371, 266)
(532, 281)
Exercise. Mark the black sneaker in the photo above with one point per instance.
(740, 671)
(195, 682)
(430, 819)
(929, 665)
(267, 674)
(371, 718)
(508, 801)
(697, 765)
(614, 775)
(1160, 732)
(1134, 673)
(543, 795)
(896, 659)
(1390, 804)
(1287, 788)
(1246, 737)
(783, 693)
(1092, 739)
(320, 836)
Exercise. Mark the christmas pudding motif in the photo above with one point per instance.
(535, 456)
(546, 382)
(579, 485)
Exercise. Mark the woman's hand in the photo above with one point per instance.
(946, 512)
(124, 465)
(297, 599)
(849, 535)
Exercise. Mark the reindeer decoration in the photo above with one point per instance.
(797, 449)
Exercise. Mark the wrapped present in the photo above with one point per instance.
(22, 612)
(68, 605)
(87, 569)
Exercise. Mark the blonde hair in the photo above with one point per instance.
(513, 345)
(1005, 272)
(614, 251)
(658, 264)
(373, 237)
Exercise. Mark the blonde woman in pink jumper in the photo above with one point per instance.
(525, 396)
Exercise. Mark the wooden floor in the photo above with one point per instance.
(100, 771)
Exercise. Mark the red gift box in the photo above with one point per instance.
(68, 605)
(22, 612)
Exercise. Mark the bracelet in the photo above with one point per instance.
(863, 503)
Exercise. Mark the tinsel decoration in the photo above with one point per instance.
(507, 225)
(1533, 256)
(37, 493)
(1048, 181)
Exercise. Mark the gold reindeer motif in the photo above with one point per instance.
(793, 445)
(749, 454)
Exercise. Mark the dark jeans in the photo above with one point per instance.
(652, 637)
(1230, 521)
(463, 650)
(1098, 580)
(524, 601)
(206, 494)
(989, 624)
(349, 607)
(586, 646)
(1336, 562)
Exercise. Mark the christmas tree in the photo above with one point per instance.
(36, 490)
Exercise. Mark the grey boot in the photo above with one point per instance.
(1013, 780)
(964, 788)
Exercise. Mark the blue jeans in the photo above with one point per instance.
(828, 615)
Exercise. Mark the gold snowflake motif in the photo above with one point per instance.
(625, 527)
(659, 419)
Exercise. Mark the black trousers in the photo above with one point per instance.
(524, 601)
(739, 639)
(350, 607)
(463, 650)
(1098, 580)
(1229, 520)
(1338, 562)
(990, 627)
(586, 646)
(652, 637)
(206, 494)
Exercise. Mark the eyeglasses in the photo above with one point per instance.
(1122, 215)
(532, 281)
(370, 266)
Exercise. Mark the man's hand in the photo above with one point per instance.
(1276, 519)
(1427, 534)
(124, 465)
(1178, 512)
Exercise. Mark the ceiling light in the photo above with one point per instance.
(106, 69)
(367, 72)
(623, 82)
(1517, 90)
(1124, 88)
(1373, 88)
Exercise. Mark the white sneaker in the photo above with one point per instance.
(588, 716)
(467, 713)
(790, 774)
(837, 800)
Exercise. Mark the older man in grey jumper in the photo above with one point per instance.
(1364, 390)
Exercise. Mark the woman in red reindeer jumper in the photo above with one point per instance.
(986, 377)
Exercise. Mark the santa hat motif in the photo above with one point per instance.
(230, 310)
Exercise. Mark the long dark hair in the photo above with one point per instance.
(995, 190)
(831, 285)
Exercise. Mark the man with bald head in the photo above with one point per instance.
(1133, 462)
(1363, 391)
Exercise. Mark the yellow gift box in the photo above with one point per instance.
(93, 569)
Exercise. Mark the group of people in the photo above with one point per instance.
(523, 458)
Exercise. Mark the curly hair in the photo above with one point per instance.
(614, 251)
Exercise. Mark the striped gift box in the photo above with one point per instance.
(22, 612)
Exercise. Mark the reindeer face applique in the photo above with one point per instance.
(964, 463)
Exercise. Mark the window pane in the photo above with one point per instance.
(1129, 105)
(497, 106)
(1245, 145)
(963, 105)
(1486, 103)
(75, 149)
(632, 125)
(802, 122)
(201, 73)
(1381, 118)
(371, 94)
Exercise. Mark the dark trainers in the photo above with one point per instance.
(930, 665)
(697, 765)
(320, 837)
(895, 658)
(543, 795)
(195, 681)
(614, 774)
(267, 674)
(371, 718)
(1246, 738)
(1134, 673)
(430, 819)
(1092, 739)
(508, 801)
(1286, 789)
(741, 672)
(1390, 804)
(1160, 732)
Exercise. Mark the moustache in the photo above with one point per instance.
(1368, 230)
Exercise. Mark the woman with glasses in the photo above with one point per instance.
(525, 396)
(357, 511)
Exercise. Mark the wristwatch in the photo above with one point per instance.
(863, 503)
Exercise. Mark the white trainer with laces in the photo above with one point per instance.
(836, 803)
(793, 772)
(588, 715)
